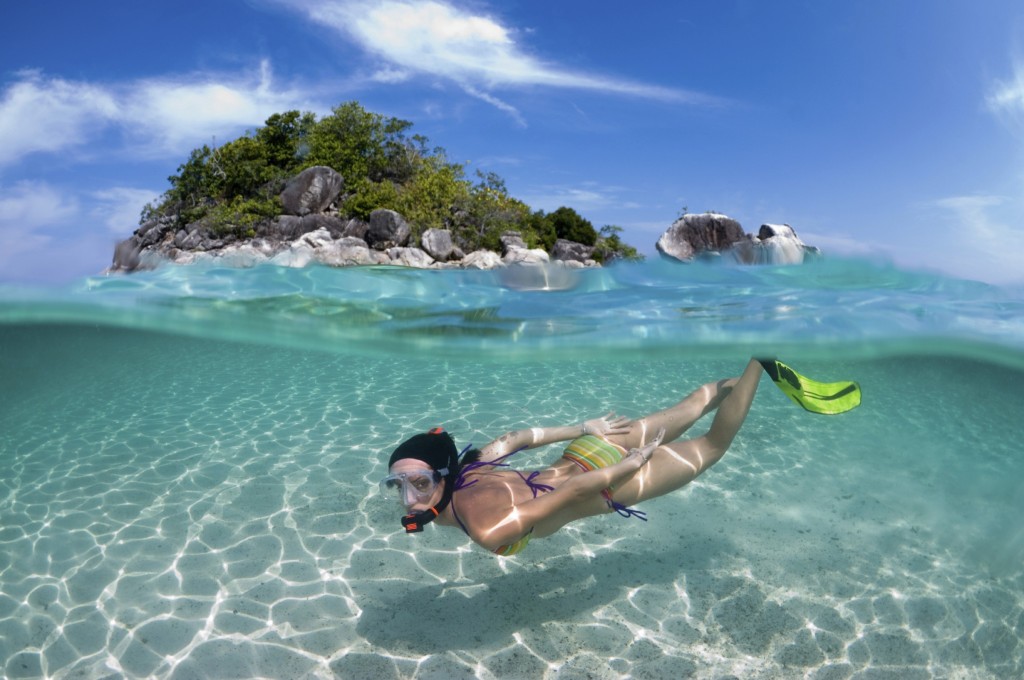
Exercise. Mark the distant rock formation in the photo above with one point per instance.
(310, 230)
(704, 235)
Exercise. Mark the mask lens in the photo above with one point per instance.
(415, 485)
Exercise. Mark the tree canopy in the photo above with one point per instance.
(231, 188)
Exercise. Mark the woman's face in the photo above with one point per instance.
(419, 490)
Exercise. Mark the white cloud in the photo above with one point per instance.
(1006, 99)
(119, 208)
(476, 51)
(159, 116)
(979, 238)
(177, 113)
(40, 114)
(26, 210)
(587, 196)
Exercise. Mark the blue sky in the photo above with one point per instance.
(891, 130)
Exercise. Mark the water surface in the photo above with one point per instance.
(188, 460)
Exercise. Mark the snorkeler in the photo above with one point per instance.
(610, 463)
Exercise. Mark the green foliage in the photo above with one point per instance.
(364, 145)
(240, 216)
(570, 225)
(486, 212)
(232, 188)
(426, 200)
(610, 247)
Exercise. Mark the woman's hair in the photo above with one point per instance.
(471, 456)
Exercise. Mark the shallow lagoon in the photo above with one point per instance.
(188, 464)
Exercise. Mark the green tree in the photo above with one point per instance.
(610, 247)
(231, 189)
(194, 189)
(486, 212)
(285, 136)
(363, 145)
(570, 225)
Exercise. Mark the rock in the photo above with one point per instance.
(768, 231)
(193, 240)
(511, 240)
(247, 254)
(438, 244)
(283, 228)
(289, 227)
(321, 238)
(357, 228)
(481, 259)
(525, 256)
(126, 255)
(153, 232)
(571, 251)
(349, 251)
(774, 244)
(691, 235)
(387, 230)
(410, 257)
(311, 191)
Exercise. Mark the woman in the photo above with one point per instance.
(610, 463)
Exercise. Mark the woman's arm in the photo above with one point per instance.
(539, 436)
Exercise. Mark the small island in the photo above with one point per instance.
(355, 188)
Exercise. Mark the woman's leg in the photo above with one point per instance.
(676, 419)
(676, 464)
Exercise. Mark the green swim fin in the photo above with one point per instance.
(817, 397)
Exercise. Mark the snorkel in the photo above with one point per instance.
(436, 449)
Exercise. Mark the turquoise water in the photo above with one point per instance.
(188, 460)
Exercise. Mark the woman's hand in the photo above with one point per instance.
(645, 452)
(608, 424)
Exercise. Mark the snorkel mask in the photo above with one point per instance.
(437, 450)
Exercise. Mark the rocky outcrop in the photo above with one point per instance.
(707, 235)
(691, 235)
(570, 251)
(387, 230)
(311, 191)
(438, 244)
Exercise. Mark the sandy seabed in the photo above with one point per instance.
(213, 515)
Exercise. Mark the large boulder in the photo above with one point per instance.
(510, 240)
(526, 256)
(438, 244)
(311, 191)
(356, 228)
(126, 255)
(153, 231)
(779, 244)
(691, 235)
(348, 251)
(289, 227)
(409, 257)
(387, 230)
(571, 251)
(481, 259)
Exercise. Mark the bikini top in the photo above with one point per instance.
(461, 483)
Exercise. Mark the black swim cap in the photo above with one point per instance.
(435, 448)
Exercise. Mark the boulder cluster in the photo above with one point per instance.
(712, 235)
(311, 230)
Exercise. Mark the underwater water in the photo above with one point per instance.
(189, 458)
